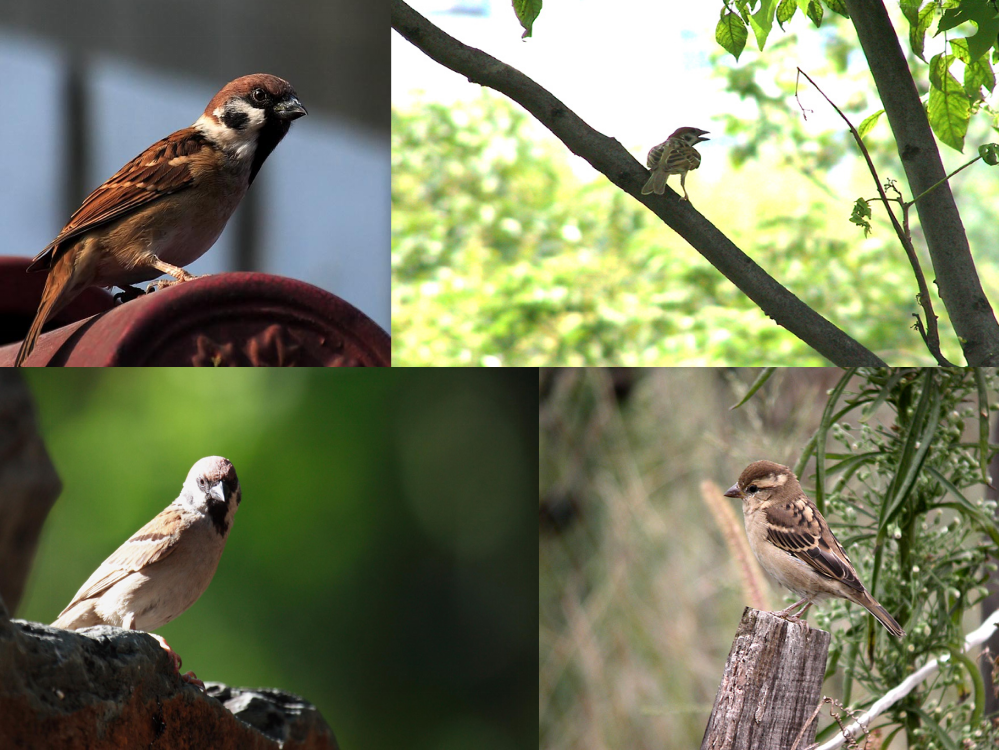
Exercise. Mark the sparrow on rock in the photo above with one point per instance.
(793, 542)
(675, 155)
(167, 206)
(167, 564)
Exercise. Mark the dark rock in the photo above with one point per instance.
(108, 687)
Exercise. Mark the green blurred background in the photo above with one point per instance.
(381, 564)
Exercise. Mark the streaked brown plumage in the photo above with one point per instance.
(794, 544)
(166, 207)
(675, 155)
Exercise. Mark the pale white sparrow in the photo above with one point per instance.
(793, 542)
(167, 564)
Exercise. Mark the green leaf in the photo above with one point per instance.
(983, 15)
(762, 378)
(917, 30)
(910, 9)
(763, 20)
(960, 49)
(949, 108)
(786, 11)
(861, 215)
(527, 11)
(814, 12)
(731, 34)
(989, 153)
(977, 75)
(869, 122)
(837, 6)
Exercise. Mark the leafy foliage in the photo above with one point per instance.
(951, 104)
(919, 539)
(502, 256)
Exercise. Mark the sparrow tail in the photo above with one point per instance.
(56, 294)
(656, 183)
(872, 606)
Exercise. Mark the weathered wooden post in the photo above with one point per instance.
(771, 686)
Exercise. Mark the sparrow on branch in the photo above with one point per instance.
(793, 542)
(675, 155)
(167, 206)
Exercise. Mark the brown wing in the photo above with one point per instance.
(162, 169)
(798, 528)
(153, 542)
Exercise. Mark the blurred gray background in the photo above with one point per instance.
(86, 85)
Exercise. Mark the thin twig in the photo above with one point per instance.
(974, 638)
(931, 337)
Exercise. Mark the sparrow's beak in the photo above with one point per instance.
(701, 135)
(289, 109)
(733, 491)
(217, 491)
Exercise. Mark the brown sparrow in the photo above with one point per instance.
(167, 564)
(167, 206)
(793, 542)
(675, 155)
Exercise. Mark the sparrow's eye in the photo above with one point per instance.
(202, 484)
(258, 95)
(752, 488)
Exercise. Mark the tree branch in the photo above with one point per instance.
(610, 158)
(960, 289)
(931, 337)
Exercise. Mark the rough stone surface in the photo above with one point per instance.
(106, 687)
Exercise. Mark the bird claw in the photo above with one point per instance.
(161, 284)
(127, 294)
(192, 679)
(174, 656)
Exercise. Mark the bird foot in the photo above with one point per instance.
(192, 679)
(161, 284)
(127, 294)
(174, 656)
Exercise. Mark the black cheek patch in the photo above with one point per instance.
(217, 511)
(235, 119)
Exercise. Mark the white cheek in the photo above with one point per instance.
(239, 143)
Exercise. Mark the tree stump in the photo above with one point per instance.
(771, 686)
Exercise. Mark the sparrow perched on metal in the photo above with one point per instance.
(167, 206)
(793, 542)
(167, 564)
(675, 155)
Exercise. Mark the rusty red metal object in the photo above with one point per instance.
(227, 320)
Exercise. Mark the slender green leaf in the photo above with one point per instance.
(883, 394)
(814, 12)
(983, 423)
(837, 6)
(949, 108)
(869, 122)
(917, 30)
(786, 11)
(731, 34)
(978, 75)
(762, 378)
(527, 12)
(763, 20)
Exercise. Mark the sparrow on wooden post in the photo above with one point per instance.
(167, 206)
(167, 564)
(675, 155)
(793, 542)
